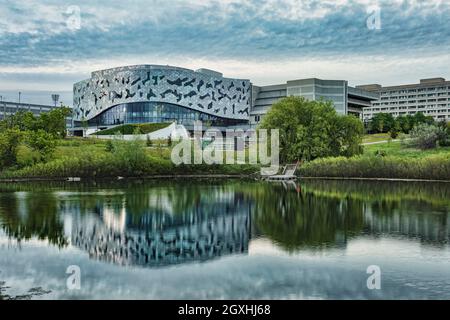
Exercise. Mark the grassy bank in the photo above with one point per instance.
(90, 158)
(393, 161)
(371, 138)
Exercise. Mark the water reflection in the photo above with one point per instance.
(165, 227)
(156, 224)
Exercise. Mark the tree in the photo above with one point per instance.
(22, 120)
(425, 136)
(312, 129)
(9, 142)
(85, 126)
(42, 142)
(382, 122)
(54, 122)
(395, 130)
(346, 137)
(405, 124)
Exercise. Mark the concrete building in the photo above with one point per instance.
(346, 99)
(10, 108)
(153, 93)
(430, 96)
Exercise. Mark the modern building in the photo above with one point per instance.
(10, 108)
(346, 99)
(150, 93)
(430, 96)
(153, 93)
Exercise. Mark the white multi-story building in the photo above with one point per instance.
(430, 96)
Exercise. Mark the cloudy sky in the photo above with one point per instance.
(46, 46)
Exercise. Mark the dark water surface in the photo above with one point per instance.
(225, 240)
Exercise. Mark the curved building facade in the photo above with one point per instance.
(152, 93)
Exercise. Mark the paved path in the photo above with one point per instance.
(378, 142)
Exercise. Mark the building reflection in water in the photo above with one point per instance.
(159, 235)
(169, 224)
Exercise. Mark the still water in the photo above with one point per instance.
(224, 240)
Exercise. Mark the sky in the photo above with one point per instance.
(46, 46)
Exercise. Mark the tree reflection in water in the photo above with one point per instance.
(160, 222)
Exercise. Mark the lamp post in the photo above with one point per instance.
(20, 93)
(55, 98)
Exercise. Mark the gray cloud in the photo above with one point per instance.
(35, 34)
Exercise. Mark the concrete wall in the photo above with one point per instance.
(174, 131)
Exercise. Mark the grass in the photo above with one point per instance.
(369, 138)
(397, 162)
(144, 128)
(89, 158)
(396, 149)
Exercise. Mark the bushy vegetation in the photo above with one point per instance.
(389, 160)
(94, 158)
(134, 129)
(426, 136)
(386, 123)
(436, 167)
(313, 129)
(422, 154)
(26, 139)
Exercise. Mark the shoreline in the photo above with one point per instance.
(78, 179)
(207, 176)
(375, 179)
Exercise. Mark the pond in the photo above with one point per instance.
(225, 240)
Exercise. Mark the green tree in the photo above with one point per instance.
(311, 129)
(54, 122)
(382, 122)
(346, 136)
(22, 120)
(395, 130)
(9, 143)
(42, 142)
(404, 123)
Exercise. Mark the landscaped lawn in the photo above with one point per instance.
(368, 138)
(74, 147)
(395, 148)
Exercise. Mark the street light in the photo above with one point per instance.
(19, 95)
(55, 98)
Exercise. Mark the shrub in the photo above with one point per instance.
(9, 143)
(380, 153)
(393, 134)
(149, 142)
(26, 156)
(425, 136)
(42, 142)
(436, 167)
(109, 146)
(129, 156)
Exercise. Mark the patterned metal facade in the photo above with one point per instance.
(202, 91)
